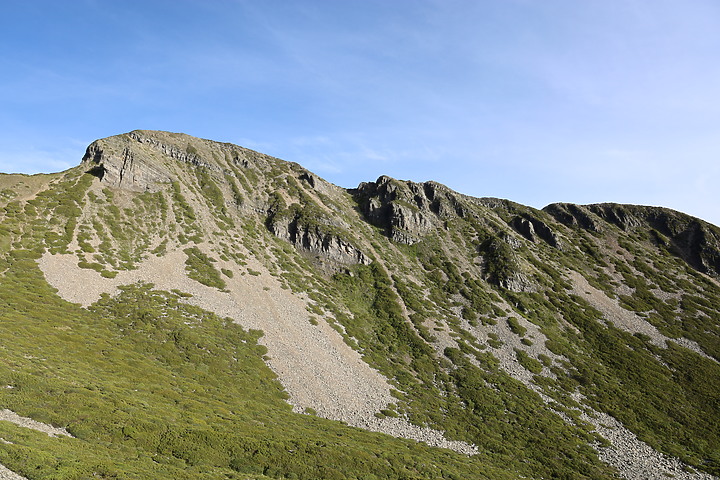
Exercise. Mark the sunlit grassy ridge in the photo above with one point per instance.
(152, 387)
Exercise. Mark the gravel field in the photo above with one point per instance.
(625, 319)
(313, 362)
(321, 372)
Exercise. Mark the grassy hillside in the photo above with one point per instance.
(501, 326)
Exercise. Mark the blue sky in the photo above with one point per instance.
(537, 101)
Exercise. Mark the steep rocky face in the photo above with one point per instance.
(695, 241)
(144, 161)
(122, 168)
(574, 215)
(312, 239)
(503, 266)
(406, 211)
(535, 229)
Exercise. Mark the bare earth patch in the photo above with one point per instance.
(314, 364)
(625, 319)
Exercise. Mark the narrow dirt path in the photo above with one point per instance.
(12, 417)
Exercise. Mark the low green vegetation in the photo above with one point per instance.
(464, 400)
(528, 362)
(185, 218)
(515, 327)
(199, 266)
(215, 199)
(152, 387)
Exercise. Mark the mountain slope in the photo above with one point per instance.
(187, 308)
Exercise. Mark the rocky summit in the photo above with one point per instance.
(175, 307)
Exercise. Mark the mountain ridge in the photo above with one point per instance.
(546, 343)
(682, 229)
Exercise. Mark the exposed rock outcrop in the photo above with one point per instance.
(533, 229)
(120, 167)
(406, 211)
(313, 240)
(316, 183)
(574, 216)
(187, 155)
(695, 241)
(142, 160)
(502, 265)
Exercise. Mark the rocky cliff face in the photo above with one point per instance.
(407, 211)
(122, 168)
(404, 211)
(314, 240)
(145, 160)
(574, 215)
(535, 230)
(695, 241)
(142, 161)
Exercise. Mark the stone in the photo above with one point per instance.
(122, 168)
(407, 211)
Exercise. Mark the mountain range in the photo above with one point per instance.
(175, 307)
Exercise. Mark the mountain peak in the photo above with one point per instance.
(217, 301)
(406, 211)
(142, 160)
